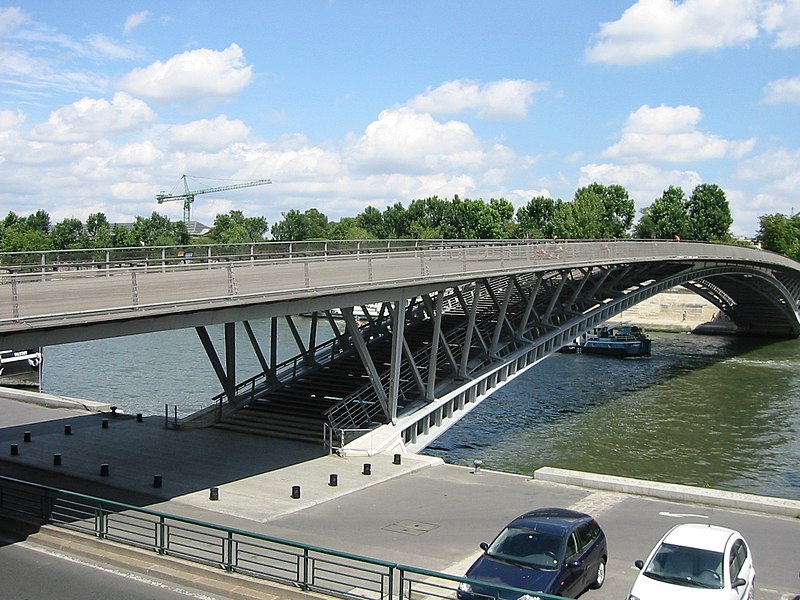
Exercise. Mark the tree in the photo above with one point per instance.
(780, 234)
(297, 226)
(235, 228)
(371, 220)
(709, 215)
(535, 219)
(158, 230)
(611, 204)
(666, 217)
(69, 234)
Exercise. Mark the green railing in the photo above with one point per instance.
(310, 568)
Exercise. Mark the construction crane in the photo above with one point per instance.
(188, 195)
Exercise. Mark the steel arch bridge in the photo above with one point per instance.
(450, 321)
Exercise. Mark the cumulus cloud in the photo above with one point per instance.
(655, 29)
(403, 141)
(197, 75)
(208, 134)
(644, 182)
(782, 90)
(504, 99)
(89, 119)
(133, 21)
(670, 134)
(783, 19)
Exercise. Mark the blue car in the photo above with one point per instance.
(551, 550)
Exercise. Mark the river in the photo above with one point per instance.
(709, 411)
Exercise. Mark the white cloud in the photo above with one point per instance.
(143, 154)
(11, 19)
(403, 141)
(644, 182)
(89, 119)
(655, 29)
(504, 99)
(783, 19)
(196, 76)
(783, 90)
(208, 134)
(670, 134)
(133, 21)
(108, 48)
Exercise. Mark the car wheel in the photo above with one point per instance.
(600, 575)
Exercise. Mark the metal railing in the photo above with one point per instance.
(307, 567)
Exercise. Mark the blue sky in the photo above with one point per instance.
(345, 104)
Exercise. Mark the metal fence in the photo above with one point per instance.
(307, 567)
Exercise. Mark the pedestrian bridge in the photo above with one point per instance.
(402, 340)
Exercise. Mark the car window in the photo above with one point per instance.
(586, 535)
(572, 545)
(738, 556)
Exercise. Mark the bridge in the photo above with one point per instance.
(404, 338)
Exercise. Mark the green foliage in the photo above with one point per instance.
(666, 217)
(709, 214)
(781, 234)
(535, 220)
(235, 228)
(297, 226)
(158, 230)
(69, 235)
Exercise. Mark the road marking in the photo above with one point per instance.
(125, 574)
(682, 515)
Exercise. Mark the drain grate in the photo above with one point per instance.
(411, 527)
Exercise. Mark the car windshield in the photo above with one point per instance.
(527, 547)
(686, 566)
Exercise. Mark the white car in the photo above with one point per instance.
(695, 561)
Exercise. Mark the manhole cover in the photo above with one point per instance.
(411, 527)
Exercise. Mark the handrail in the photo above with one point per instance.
(314, 568)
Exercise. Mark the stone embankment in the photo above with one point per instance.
(678, 309)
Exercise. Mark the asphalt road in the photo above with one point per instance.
(31, 573)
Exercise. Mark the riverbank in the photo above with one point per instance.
(678, 310)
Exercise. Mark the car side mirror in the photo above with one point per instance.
(738, 582)
(639, 564)
(484, 546)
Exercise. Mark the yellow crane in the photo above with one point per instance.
(188, 195)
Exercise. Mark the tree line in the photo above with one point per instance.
(597, 211)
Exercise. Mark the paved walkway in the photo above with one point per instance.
(420, 512)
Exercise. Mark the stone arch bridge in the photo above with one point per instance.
(416, 335)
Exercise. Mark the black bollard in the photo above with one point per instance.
(14, 449)
(104, 424)
(138, 417)
(67, 429)
(295, 491)
(213, 494)
(104, 470)
(156, 481)
(56, 460)
(367, 469)
(397, 459)
(114, 410)
(26, 436)
(334, 480)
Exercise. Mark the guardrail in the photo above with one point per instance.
(43, 261)
(309, 568)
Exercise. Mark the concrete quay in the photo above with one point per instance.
(420, 512)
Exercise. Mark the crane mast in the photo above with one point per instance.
(189, 195)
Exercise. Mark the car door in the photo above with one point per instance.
(572, 575)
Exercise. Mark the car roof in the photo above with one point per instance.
(700, 535)
(550, 518)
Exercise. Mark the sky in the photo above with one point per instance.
(345, 104)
